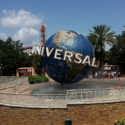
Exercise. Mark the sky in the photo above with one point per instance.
(20, 19)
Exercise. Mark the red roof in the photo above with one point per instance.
(29, 47)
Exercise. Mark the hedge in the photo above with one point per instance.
(37, 79)
(118, 122)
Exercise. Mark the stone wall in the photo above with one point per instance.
(83, 114)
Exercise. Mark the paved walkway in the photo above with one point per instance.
(21, 89)
(26, 88)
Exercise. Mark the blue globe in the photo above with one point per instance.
(65, 71)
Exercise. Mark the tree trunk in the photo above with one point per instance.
(101, 58)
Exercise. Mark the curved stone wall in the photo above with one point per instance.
(80, 114)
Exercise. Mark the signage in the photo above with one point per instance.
(107, 68)
(67, 55)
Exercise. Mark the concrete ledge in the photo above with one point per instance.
(96, 102)
(72, 103)
(32, 106)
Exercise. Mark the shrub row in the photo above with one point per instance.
(37, 79)
(118, 122)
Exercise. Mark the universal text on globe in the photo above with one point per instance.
(39, 50)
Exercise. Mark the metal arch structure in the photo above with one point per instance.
(28, 47)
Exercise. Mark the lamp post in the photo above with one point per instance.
(39, 68)
(1, 69)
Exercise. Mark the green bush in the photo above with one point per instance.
(37, 79)
(118, 122)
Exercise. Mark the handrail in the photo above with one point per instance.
(61, 100)
(95, 95)
(79, 96)
(25, 100)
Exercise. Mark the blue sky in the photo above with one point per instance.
(20, 19)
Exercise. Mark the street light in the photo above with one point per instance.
(39, 68)
(1, 69)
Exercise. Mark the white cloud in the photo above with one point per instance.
(22, 18)
(3, 36)
(27, 36)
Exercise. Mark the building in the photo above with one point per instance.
(111, 68)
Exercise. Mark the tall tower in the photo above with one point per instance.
(42, 35)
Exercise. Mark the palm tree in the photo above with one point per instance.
(102, 34)
(123, 36)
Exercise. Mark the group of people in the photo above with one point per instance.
(109, 75)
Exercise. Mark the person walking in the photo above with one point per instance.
(96, 74)
(103, 74)
(119, 75)
(112, 75)
(99, 74)
(116, 75)
(109, 75)
(90, 76)
(106, 74)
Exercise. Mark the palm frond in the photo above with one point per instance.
(102, 34)
(106, 29)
